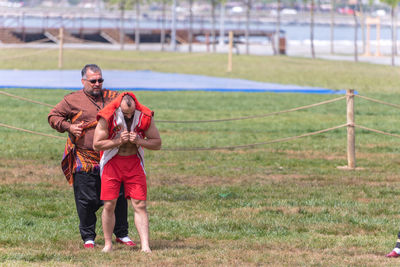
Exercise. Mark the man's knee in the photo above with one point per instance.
(109, 205)
(139, 205)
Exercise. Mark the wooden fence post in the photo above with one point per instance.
(378, 38)
(208, 41)
(367, 51)
(60, 52)
(230, 51)
(351, 138)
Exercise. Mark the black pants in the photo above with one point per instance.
(398, 240)
(87, 199)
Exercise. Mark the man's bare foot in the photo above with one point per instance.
(107, 249)
(146, 250)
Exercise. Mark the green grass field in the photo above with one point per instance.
(283, 204)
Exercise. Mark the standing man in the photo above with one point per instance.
(76, 114)
(125, 127)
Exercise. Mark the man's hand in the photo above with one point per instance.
(76, 129)
(124, 137)
(133, 137)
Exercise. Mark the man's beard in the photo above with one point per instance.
(95, 93)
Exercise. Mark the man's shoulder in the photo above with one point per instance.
(74, 94)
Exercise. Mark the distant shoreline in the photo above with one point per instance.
(77, 14)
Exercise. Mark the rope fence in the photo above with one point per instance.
(32, 132)
(376, 131)
(256, 144)
(262, 115)
(204, 121)
(378, 101)
(350, 126)
(26, 99)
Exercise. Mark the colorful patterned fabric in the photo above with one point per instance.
(78, 159)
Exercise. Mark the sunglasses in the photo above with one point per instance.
(94, 81)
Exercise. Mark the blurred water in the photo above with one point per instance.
(293, 32)
(341, 33)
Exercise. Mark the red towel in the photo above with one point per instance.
(114, 117)
(108, 113)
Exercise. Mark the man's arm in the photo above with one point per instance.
(59, 119)
(59, 116)
(101, 141)
(152, 140)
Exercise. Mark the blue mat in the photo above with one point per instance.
(146, 80)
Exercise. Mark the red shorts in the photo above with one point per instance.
(127, 170)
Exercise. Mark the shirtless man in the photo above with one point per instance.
(132, 128)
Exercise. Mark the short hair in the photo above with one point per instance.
(92, 67)
(128, 99)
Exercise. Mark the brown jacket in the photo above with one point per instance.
(77, 107)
